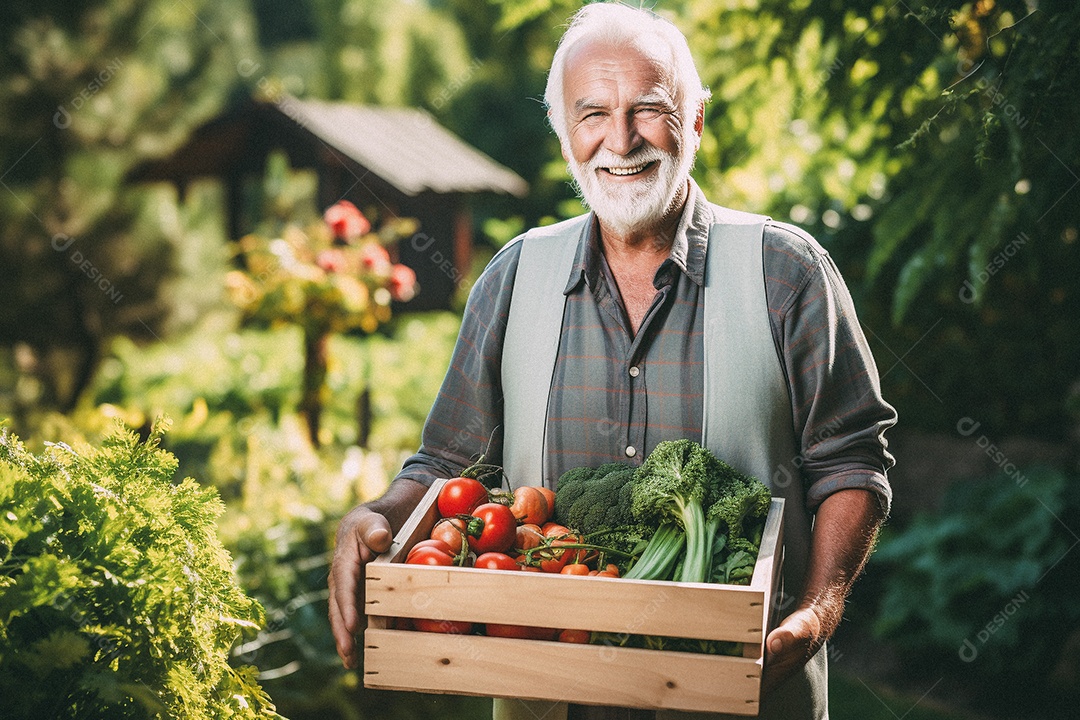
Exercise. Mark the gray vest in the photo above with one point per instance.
(747, 413)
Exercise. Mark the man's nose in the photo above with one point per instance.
(622, 137)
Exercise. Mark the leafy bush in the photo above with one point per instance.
(984, 590)
(118, 598)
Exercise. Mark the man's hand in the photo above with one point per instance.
(365, 532)
(362, 535)
(790, 645)
(844, 530)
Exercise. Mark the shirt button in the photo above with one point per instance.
(630, 451)
(634, 372)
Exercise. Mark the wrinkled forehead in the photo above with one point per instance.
(647, 60)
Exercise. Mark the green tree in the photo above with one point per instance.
(88, 90)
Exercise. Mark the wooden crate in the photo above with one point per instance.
(590, 674)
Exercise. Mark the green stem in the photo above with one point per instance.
(660, 554)
(573, 546)
(698, 545)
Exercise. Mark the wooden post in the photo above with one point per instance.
(311, 403)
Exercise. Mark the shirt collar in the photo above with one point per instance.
(687, 247)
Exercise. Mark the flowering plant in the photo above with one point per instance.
(333, 277)
(329, 278)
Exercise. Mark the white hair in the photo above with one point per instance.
(623, 26)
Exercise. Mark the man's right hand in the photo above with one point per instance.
(362, 535)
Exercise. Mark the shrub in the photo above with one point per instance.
(117, 599)
(985, 589)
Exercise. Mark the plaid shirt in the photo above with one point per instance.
(615, 395)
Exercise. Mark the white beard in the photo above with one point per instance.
(629, 207)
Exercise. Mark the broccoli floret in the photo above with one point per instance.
(628, 541)
(596, 500)
(569, 488)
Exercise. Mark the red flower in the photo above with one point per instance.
(346, 221)
(374, 257)
(332, 260)
(402, 283)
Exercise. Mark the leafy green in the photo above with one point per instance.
(676, 482)
(991, 574)
(118, 599)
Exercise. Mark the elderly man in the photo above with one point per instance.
(660, 316)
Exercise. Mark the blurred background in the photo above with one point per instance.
(165, 165)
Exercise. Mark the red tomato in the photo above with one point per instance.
(555, 560)
(432, 543)
(549, 495)
(495, 561)
(530, 506)
(575, 569)
(520, 632)
(554, 529)
(528, 536)
(575, 636)
(451, 627)
(450, 531)
(430, 556)
(500, 528)
(460, 496)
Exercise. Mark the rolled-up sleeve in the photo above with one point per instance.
(839, 414)
(468, 407)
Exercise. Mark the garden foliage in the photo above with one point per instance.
(117, 599)
(984, 590)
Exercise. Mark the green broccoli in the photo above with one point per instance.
(676, 483)
(683, 512)
(596, 502)
(590, 500)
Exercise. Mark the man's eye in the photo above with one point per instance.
(648, 112)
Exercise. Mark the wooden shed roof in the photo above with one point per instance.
(404, 146)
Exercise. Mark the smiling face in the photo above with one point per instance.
(626, 145)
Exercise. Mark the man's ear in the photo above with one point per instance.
(699, 125)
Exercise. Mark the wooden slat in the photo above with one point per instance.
(770, 546)
(538, 670)
(766, 577)
(641, 607)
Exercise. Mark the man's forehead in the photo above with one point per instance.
(590, 62)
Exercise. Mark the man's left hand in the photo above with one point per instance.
(790, 645)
